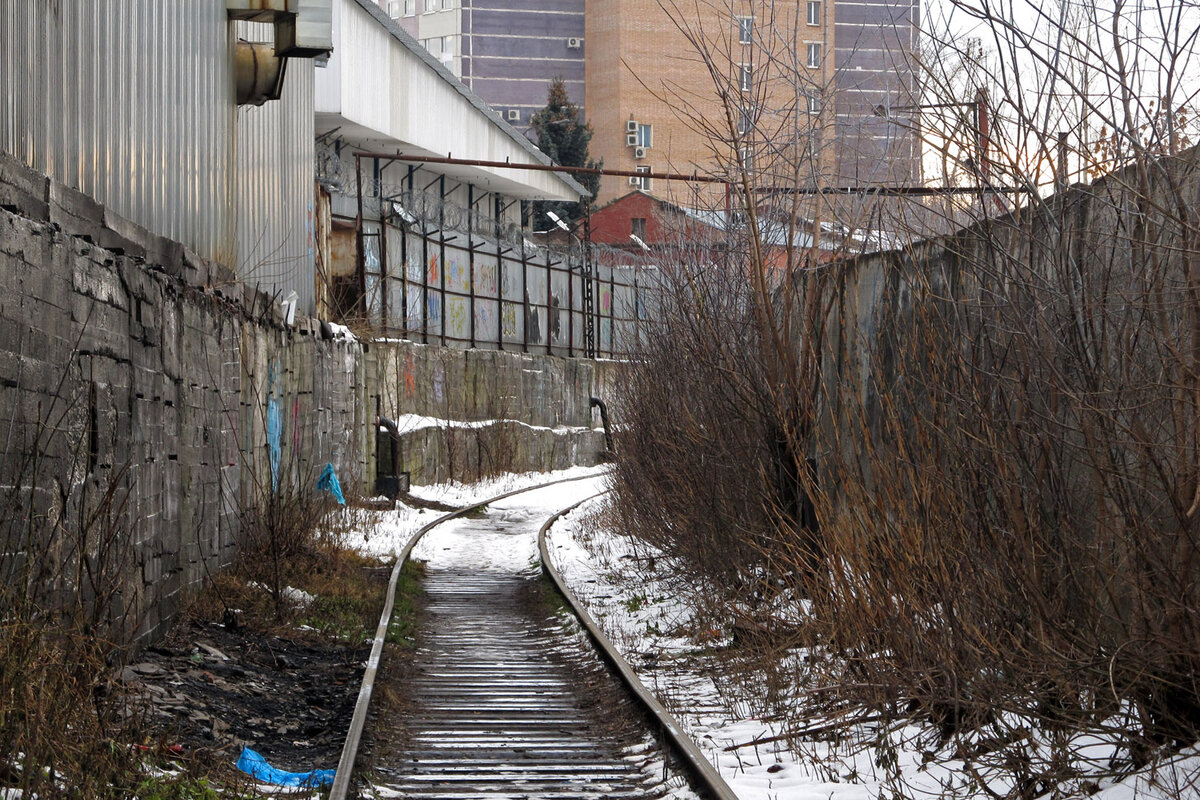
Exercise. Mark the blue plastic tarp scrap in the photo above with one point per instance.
(328, 482)
(257, 767)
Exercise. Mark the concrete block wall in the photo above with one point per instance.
(471, 385)
(537, 408)
(133, 407)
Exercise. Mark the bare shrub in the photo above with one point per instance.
(969, 465)
(65, 602)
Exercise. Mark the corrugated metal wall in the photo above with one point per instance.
(275, 184)
(131, 102)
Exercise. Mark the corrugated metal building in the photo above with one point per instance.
(133, 102)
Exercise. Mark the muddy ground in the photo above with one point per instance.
(209, 690)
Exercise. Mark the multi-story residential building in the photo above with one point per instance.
(506, 53)
(875, 42)
(786, 92)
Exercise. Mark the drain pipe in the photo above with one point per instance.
(608, 442)
(384, 422)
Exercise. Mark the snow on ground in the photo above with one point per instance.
(645, 618)
(388, 536)
(498, 549)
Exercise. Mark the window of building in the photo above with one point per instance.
(745, 30)
(814, 54)
(643, 183)
(431, 5)
(745, 77)
(447, 3)
(814, 102)
(395, 8)
(746, 159)
(814, 12)
(645, 135)
(637, 226)
(745, 119)
(410, 8)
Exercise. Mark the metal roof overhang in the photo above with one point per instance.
(383, 92)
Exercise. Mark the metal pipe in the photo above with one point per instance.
(884, 190)
(598, 403)
(384, 422)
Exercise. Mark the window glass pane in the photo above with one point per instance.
(645, 136)
(814, 12)
(814, 54)
(745, 121)
(745, 79)
(745, 30)
(645, 182)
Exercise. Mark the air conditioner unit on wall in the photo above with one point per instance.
(639, 152)
(574, 43)
(514, 115)
(635, 181)
(631, 140)
(631, 126)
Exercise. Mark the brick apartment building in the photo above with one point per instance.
(800, 81)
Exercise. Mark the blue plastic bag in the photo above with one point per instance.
(328, 482)
(257, 767)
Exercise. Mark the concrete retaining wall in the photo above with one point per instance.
(136, 416)
(147, 401)
(549, 396)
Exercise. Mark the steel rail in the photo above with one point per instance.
(701, 768)
(345, 767)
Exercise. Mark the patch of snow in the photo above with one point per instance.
(388, 536)
(415, 422)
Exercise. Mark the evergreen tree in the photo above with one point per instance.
(564, 137)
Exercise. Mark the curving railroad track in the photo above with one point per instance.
(506, 700)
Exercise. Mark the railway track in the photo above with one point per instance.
(507, 701)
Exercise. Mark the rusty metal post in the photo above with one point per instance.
(360, 270)
(571, 306)
(383, 246)
(589, 292)
(524, 288)
(549, 305)
(471, 259)
(499, 272)
(424, 282)
(442, 252)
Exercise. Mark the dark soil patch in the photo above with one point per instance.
(281, 682)
(289, 696)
